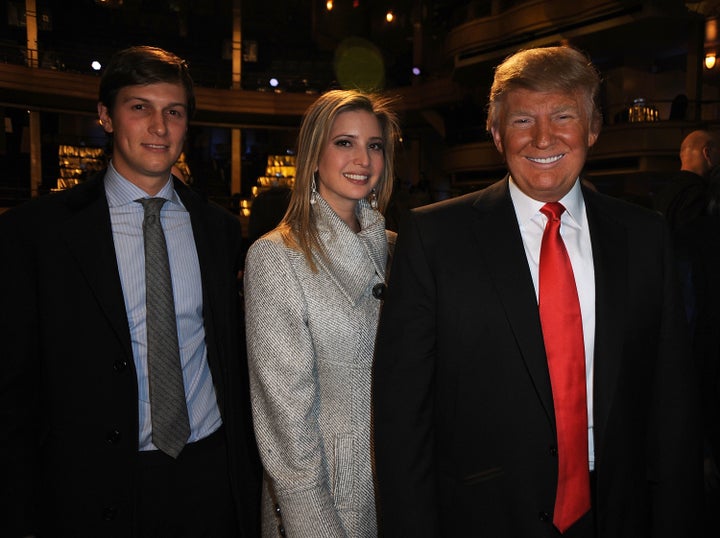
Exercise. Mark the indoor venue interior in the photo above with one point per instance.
(258, 65)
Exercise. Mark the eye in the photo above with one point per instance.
(377, 146)
(343, 143)
(175, 113)
(138, 106)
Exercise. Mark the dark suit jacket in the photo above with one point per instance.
(68, 390)
(463, 415)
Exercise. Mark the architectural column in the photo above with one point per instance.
(33, 62)
(236, 134)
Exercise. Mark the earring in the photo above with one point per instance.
(373, 199)
(313, 191)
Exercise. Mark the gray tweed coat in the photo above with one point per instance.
(310, 340)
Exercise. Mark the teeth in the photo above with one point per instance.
(356, 177)
(547, 160)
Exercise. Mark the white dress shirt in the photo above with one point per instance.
(576, 236)
(126, 216)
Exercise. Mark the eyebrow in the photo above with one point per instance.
(146, 100)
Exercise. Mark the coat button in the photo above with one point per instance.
(120, 366)
(553, 451)
(277, 509)
(113, 437)
(544, 516)
(281, 530)
(109, 513)
(378, 290)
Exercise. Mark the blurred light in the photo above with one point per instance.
(329, 5)
(389, 16)
(274, 82)
(96, 65)
(710, 60)
(356, 3)
(416, 71)
(711, 30)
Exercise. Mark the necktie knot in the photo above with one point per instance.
(152, 206)
(552, 210)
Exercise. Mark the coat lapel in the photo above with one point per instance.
(88, 235)
(363, 254)
(498, 235)
(610, 257)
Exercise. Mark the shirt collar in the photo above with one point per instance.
(120, 191)
(527, 208)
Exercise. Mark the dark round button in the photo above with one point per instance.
(281, 530)
(113, 437)
(378, 290)
(544, 516)
(120, 366)
(277, 509)
(553, 451)
(109, 513)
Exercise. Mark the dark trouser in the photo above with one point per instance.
(189, 496)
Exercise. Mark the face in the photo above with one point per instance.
(149, 124)
(352, 160)
(545, 137)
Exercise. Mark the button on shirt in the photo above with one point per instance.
(576, 236)
(126, 216)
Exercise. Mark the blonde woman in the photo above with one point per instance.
(313, 290)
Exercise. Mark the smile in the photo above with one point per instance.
(156, 146)
(357, 177)
(546, 160)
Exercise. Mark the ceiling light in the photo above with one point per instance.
(710, 60)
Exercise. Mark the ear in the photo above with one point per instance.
(592, 138)
(497, 139)
(105, 119)
(706, 154)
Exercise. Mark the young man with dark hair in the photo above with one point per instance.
(122, 417)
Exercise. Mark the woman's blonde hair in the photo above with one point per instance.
(298, 228)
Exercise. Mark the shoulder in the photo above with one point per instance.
(607, 213)
(620, 209)
(270, 251)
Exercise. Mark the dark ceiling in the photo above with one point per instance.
(295, 40)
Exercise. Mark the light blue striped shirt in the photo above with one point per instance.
(126, 216)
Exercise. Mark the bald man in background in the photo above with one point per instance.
(685, 197)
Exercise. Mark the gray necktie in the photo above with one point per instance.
(170, 424)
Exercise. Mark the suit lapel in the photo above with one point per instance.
(498, 236)
(88, 235)
(610, 256)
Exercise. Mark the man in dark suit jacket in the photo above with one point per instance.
(78, 452)
(465, 426)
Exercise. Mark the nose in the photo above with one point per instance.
(362, 156)
(543, 133)
(157, 123)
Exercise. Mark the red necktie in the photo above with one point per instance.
(563, 334)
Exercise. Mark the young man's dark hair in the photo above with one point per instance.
(143, 65)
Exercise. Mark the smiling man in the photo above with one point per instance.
(120, 417)
(532, 373)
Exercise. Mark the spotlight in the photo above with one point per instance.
(96, 65)
(274, 82)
